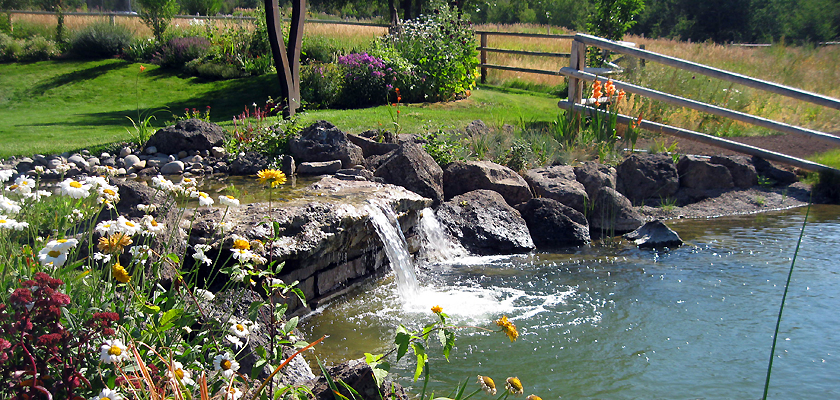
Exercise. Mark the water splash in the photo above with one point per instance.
(438, 246)
(388, 228)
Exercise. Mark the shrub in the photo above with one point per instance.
(157, 15)
(442, 46)
(9, 48)
(321, 85)
(364, 80)
(141, 50)
(212, 70)
(39, 49)
(318, 49)
(179, 51)
(101, 40)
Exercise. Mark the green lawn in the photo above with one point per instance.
(55, 106)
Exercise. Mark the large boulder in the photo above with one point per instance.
(371, 147)
(698, 173)
(248, 163)
(654, 234)
(559, 183)
(743, 172)
(484, 224)
(322, 141)
(613, 214)
(460, 177)
(593, 176)
(414, 169)
(186, 135)
(358, 375)
(775, 174)
(643, 176)
(554, 225)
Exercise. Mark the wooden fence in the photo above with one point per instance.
(577, 74)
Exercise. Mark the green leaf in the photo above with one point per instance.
(291, 325)
(254, 309)
(330, 382)
(260, 350)
(174, 257)
(428, 329)
(380, 368)
(258, 367)
(149, 309)
(450, 342)
(420, 352)
(170, 315)
(402, 340)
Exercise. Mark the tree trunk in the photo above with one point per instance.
(406, 6)
(286, 61)
(392, 10)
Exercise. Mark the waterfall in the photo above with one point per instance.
(396, 248)
(438, 246)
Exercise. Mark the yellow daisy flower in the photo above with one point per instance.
(437, 309)
(120, 273)
(513, 385)
(508, 328)
(276, 177)
(487, 384)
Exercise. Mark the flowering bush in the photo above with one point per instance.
(365, 80)
(442, 47)
(179, 51)
(321, 85)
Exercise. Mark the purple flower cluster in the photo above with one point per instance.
(355, 60)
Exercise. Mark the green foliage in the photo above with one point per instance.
(178, 51)
(201, 7)
(444, 147)
(258, 129)
(38, 48)
(612, 18)
(319, 49)
(101, 40)
(321, 85)
(141, 50)
(442, 47)
(157, 15)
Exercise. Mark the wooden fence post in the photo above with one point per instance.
(483, 57)
(112, 19)
(577, 61)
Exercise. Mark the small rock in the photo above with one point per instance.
(193, 159)
(104, 155)
(93, 161)
(172, 168)
(182, 154)
(218, 152)
(151, 150)
(137, 166)
(51, 164)
(654, 234)
(130, 160)
(319, 167)
(125, 151)
(287, 164)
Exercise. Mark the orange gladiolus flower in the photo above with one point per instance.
(609, 88)
(621, 95)
(142, 68)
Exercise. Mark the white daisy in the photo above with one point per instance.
(25, 184)
(75, 189)
(62, 168)
(238, 328)
(113, 351)
(232, 393)
(62, 245)
(177, 371)
(6, 174)
(104, 258)
(235, 341)
(150, 226)
(205, 294)
(106, 227)
(108, 394)
(226, 364)
(229, 201)
(147, 208)
(8, 205)
(204, 199)
(127, 226)
(52, 258)
(108, 195)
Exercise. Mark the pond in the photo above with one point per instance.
(612, 321)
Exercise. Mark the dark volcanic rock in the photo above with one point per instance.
(461, 177)
(654, 234)
(697, 173)
(358, 375)
(414, 169)
(191, 134)
(248, 164)
(322, 141)
(559, 183)
(743, 172)
(554, 225)
(613, 214)
(644, 176)
(484, 224)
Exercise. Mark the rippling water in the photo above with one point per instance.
(616, 322)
